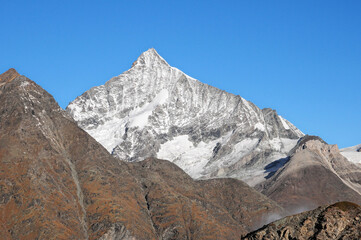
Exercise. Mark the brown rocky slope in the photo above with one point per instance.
(316, 174)
(56, 182)
(338, 221)
(173, 196)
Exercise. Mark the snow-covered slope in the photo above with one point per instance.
(154, 109)
(353, 154)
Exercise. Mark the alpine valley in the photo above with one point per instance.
(156, 154)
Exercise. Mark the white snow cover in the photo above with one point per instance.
(260, 126)
(139, 116)
(190, 158)
(351, 153)
(154, 109)
(285, 125)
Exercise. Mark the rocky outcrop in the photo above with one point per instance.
(155, 110)
(315, 174)
(8, 76)
(339, 221)
(57, 182)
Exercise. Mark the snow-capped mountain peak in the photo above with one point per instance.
(149, 58)
(156, 110)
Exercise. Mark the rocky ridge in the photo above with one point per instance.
(155, 110)
(338, 221)
(8, 76)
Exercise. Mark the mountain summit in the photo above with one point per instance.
(155, 110)
(150, 58)
(8, 76)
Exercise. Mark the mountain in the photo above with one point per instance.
(57, 182)
(338, 221)
(315, 174)
(155, 110)
(353, 154)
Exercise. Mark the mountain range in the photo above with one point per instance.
(155, 110)
(57, 182)
(94, 170)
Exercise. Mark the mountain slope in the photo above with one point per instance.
(156, 110)
(315, 174)
(58, 183)
(173, 195)
(338, 221)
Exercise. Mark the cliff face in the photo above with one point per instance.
(57, 182)
(339, 221)
(155, 110)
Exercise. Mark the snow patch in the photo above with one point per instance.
(109, 134)
(354, 157)
(24, 84)
(139, 116)
(240, 150)
(351, 154)
(186, 155)
(284, 123)
(260, 127)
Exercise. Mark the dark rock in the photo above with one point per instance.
(338, 221)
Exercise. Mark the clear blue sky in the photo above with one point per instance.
(302, 58)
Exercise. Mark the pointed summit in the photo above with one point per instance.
(150, 58)
(9, 75)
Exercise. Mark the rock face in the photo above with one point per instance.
(339, 221)
(155, 110)
(57, 182)
(315, 174)
(8, 76)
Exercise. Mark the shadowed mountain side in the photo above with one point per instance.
(214, 209)
(58, 183)
(316, 174)
(339, 221)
